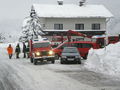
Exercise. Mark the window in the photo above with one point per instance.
(58, 26)
(96, 26)
(112, 38)
(40, 45)
(43, 25)
(79, 26)
(79, 39)
(86, 45)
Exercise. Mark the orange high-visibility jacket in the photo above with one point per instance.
(10, 50)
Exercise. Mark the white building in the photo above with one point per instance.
(57, 19)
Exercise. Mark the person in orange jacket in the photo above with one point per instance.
(10, 51)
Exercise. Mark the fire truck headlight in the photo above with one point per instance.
(51, 52)
(37, 53)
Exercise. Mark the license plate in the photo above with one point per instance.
(44, 57)
(70, 59)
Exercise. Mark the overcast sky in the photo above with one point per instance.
(18, 9)
(13, 12)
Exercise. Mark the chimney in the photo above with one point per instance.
(82, 2)
(60, 2)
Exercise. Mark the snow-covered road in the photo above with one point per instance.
(20, 74)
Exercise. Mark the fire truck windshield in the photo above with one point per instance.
(39, 45)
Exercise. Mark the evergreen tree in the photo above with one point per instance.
(31, 27)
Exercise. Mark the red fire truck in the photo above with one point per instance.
(98, 39)
(101, 40)
(41, 50)
(82, 46)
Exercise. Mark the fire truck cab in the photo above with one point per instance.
(101, 40)
(41, 50)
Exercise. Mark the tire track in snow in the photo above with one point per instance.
(13, 77)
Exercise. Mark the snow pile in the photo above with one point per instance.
(106, 60)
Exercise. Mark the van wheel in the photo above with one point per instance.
(35, 62)
(31, 60)
(56, 56)
(85, 57)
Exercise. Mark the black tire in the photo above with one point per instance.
(85, 57)
(61, 62)
(53, 61)
(56, 56)
(79, 62)
(31, 60)
(35, 62)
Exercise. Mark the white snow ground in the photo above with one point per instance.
(106, 60)
(19, 74)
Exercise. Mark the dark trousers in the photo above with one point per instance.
(27, 55)
(10, 56)
(17, 55)
(24, 55)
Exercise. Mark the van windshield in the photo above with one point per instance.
(70, 50)
(39, 45)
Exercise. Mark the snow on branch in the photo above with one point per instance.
(31, 28)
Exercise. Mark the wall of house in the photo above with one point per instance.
(42, 22)
(70, 23)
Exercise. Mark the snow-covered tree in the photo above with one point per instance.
(82, 2)
(2, 37)
(31, 27)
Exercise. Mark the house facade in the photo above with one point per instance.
(91, 26)
(87, 19)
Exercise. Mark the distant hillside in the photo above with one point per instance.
(11, 29)
(114, 7)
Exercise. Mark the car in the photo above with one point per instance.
(70, 54)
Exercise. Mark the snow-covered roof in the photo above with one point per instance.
(71, 11)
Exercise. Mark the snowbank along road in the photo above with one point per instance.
(20, 74)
